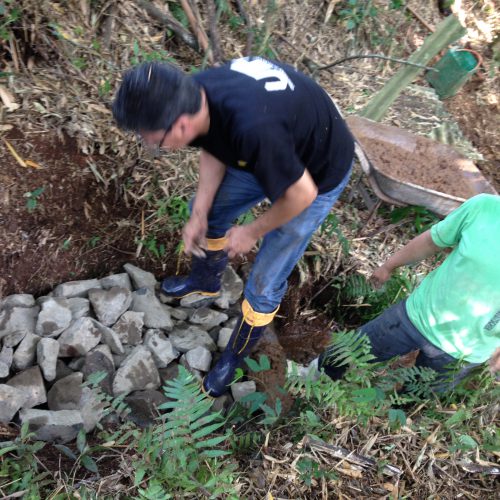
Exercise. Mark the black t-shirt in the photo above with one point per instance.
(273, 121)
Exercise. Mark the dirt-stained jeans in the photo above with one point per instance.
(281, 248)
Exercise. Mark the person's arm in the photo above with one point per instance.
(414, 251)
(210, 177)
(241, 239)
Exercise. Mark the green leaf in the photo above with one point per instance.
(139, 475)
(467, 442)
(81, 441)
(66, 451)
(397, 416)
(89, 464)
(8, 449)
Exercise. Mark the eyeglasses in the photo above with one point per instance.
(153, 149)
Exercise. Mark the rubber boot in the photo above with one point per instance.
(245, 335)
(334, 372)
(205, 276)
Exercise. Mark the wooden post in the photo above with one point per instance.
(446, 33)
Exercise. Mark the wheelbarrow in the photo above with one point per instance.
(399, 173)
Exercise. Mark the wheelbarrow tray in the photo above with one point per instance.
(396, 191)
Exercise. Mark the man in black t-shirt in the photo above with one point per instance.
(265, 131)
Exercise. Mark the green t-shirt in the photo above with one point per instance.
(457, 306)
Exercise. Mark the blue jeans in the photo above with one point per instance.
(393, 334)
(281, 248)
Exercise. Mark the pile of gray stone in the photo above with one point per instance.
(118, 326)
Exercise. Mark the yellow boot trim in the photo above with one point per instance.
(216, 244)
(255, 318)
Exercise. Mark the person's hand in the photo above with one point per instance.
(240, 241)
(380, 276)
(494, 362)
(194, 235)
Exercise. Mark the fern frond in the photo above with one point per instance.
(349, 348)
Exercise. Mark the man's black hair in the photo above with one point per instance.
(153, 95)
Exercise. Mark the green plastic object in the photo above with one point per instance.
(455, 67)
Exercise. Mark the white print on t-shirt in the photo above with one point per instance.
(258, 68)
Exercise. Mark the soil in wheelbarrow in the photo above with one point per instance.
(444, 172)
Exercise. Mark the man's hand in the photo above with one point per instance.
(240, 240)
(194, 235)
(380, 276)
(494, 362)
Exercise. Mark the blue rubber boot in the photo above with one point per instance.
(204, 279)
(245, 335)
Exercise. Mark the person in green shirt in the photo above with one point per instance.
(454, 314)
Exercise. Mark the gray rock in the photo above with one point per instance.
(25, 353)
(76, 288)
(196, 300)
(4, 370)
(6, 356)
(62, 370)
(16, 322)
(199, 358)
(231, 289)
(140, 278)
(11, 401)
(91, 407)
(161, 348)
(110, 304)
(222, 403)
(122, 280)
(143, 406)
(137, 372)
(231, 323)
(129, 327)
(207, 318)
(96, 362)
(156, 314)
(110, 338)
(14, 339)
(54, 426)
(197, 373)
(54, 317)
(79, 338)
(18, 300)
(79, 307)
(180, 313)
(169, 373)
(30, 382)
(66, 393)
(241, 389)
(104, 349)
(224, 336)
(47, 351)
(119, 358)
(185, 338)
(76, 364)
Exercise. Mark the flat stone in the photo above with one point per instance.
(143, 406)
(47, 351)
(161, 348)
(65, 394)
(79, 307)
(16, 322)
(129, 327)
(62, 370)
(76, 364)
(196, 300)
(96, 362)
(110, 338)
(25, 353)
(11, 401)
(231, 289)
(110, 304)
(207, 318)
(199, 358)
(140, 278)
(169, 373)
(79, 338)
(6, 356)
(122, 280)
(156, 314)
(137, 372)
(18, 300)
(53, 426)
(76, 288)
(224, 336)
(184, 338)
(4, 370)
(54, 318)
(30, 382)
(241, 389)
